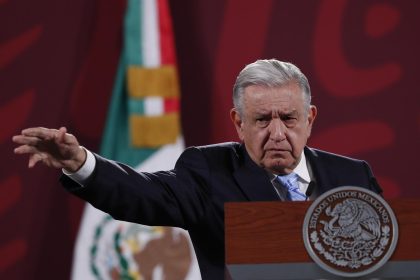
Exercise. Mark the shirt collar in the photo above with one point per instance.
(301, 170)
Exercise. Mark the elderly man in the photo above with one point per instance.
(273, 116)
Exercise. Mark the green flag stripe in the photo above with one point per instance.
(114, 117)
(136, 106)
(132, 32)
(116, 142)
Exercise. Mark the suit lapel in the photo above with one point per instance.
(253, 180)
(256, 185)
(319, 172)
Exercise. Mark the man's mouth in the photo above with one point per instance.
(277, 150)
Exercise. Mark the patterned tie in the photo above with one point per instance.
(290, 182)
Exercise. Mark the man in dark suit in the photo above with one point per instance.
(273, 116)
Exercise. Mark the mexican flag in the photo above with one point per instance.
(142, 130)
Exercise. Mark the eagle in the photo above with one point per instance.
(354, 219)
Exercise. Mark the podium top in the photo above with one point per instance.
(271, 232)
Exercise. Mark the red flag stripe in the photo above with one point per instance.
(171, 105)
(166, 34)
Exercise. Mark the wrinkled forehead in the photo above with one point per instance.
(283, 99)
(290, 91)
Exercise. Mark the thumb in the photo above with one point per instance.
(61, 134)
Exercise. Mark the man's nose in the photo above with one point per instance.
(277, 130)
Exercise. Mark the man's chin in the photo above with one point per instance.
(280, 166)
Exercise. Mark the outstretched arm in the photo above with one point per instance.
(55, 148)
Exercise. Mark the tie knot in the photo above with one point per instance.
(290, 182)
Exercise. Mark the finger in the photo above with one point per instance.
(40, 132)
(63, 129)
(26, 149)
(33, 160)
(60, 135)
(26, 140)
(67, 138)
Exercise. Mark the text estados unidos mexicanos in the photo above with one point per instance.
(348, 194)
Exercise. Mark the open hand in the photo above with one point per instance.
(54, 148)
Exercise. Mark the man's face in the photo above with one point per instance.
(274, 126)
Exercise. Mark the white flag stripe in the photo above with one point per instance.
(81, 267)
(153, 106)
(164, 158)
(150, 29)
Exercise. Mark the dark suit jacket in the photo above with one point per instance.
(192, 195)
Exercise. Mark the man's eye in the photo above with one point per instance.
(289, 120)
(263, 122)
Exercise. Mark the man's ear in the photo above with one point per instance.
(313, 111)
(237, 122)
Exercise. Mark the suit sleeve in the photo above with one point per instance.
(168, 198)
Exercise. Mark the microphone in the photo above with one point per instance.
(375, 186)
(310, 189)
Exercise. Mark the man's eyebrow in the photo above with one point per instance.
(269, 113)
(262, 112)
(289, 113)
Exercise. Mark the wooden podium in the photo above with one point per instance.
(264, 241)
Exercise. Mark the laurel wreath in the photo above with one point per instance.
(123, 263)
(337, 255)
(94, 248)
(124, 271)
